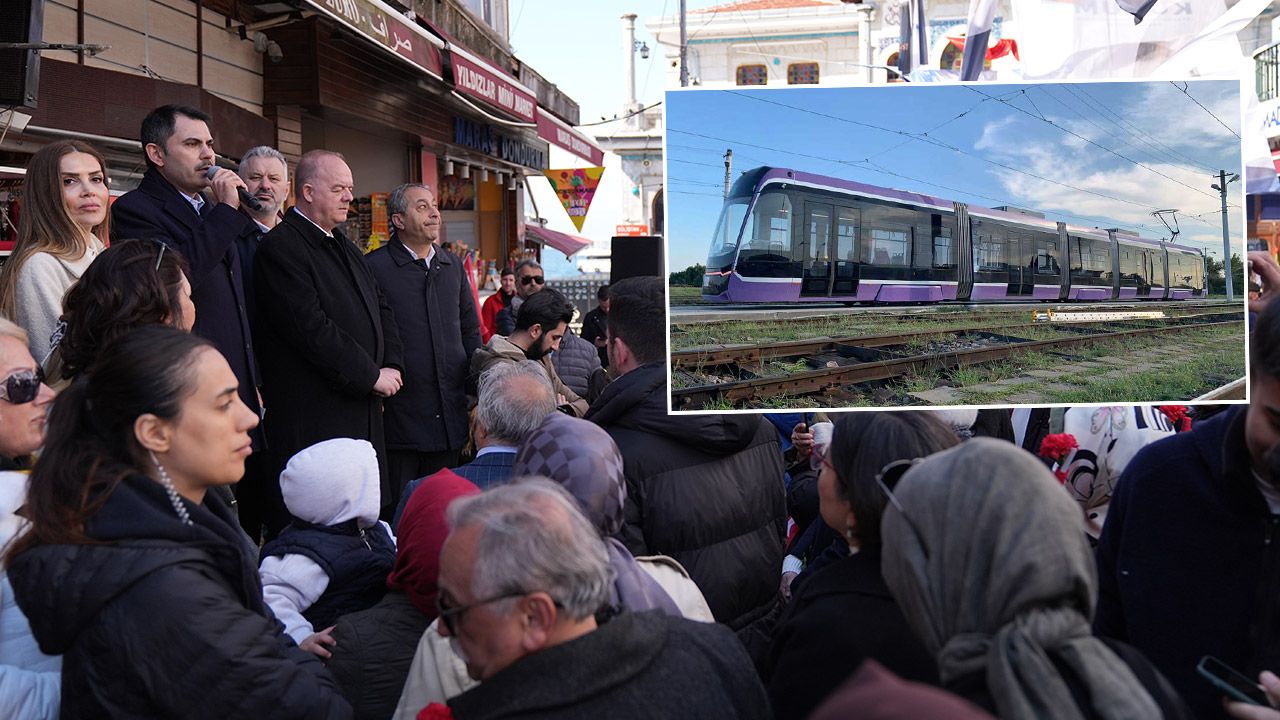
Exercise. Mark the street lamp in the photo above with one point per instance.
(643, 48)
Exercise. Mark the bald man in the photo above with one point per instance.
(330, 351)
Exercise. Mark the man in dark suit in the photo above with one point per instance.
(428, 290)
(328, 343)
(515, 398)
(177, 204)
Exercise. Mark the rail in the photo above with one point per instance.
(1267, 71)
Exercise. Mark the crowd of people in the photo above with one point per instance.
(281, 479)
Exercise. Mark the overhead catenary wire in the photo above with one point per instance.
(1202, 107)
(939, 143)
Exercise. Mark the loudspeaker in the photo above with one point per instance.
(635, 256)
(21, 21)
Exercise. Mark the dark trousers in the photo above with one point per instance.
(405, 466)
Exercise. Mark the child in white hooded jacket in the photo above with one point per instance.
(334, 557)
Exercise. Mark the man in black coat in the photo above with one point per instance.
(704, 489)
(545, 652)
(170, 205)
(428, 290)
(329, 347)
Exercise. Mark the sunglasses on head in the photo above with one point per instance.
(532, 279)
(887, 479)
(22, 387)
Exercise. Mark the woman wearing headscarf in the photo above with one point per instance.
(843, 614)
(582, 457)
(30, 680)
(988, 560)
(133, 570)
(375, 647)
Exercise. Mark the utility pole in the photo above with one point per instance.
(684, 51)
(1221, 187)
(728, 169)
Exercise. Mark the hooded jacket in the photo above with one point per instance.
(30, 681)
(705, 489)
(334, 557)
(500, 349)
(164, 620)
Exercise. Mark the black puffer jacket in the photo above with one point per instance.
(374, 651)
(576, 361)
(704, 489)
(163, 620)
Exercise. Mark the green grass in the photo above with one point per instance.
(681, 295)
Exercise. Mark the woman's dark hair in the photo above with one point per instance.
(124, 288)
(90, 444)
(862, 443)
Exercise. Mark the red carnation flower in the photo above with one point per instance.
(435, 711)
(1057, 446)
(1177, 415)
(1061, 475)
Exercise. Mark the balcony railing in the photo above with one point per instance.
(1267, 68)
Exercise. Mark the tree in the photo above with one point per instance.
(689, 277)
(1218, 282)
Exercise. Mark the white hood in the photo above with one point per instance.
(332, 482)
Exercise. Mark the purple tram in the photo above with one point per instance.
(790, 236)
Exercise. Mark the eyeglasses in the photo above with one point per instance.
(532, 279)
(22, 387)
(887, 479)
(449, 614)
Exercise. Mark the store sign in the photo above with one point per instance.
(1269, 112)
(383, 26)
(486, 139)
(569, 139)
(497, 90)
(575, 189)
(631, 230)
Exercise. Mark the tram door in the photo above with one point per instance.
(830, 250)
(817, 244)
(1020, 260)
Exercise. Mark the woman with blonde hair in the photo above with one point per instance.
(64, 214)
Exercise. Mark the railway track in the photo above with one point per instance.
(778, 314)
(844, 361)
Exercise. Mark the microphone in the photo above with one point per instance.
(246, 199)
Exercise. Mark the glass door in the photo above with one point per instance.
(818, 231)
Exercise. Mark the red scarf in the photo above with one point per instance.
(420, 536)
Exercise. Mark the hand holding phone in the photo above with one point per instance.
(1237, 687)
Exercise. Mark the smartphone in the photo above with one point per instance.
(1235, 685)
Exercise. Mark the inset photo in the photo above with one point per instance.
(907, 245)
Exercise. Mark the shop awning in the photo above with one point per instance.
(478, 79)
(559, 133)
(382, 25)
(564, 242)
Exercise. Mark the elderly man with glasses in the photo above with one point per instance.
(524, 586)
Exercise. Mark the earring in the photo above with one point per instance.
(171, 491)
(848, 534)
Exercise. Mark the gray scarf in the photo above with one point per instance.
(583, 458)
(1006, 584)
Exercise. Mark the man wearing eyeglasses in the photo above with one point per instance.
(529, 280)
(524, 592)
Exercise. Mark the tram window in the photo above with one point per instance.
(943, 256)
(889, 246)
(1047, 258)
(989, 253)
(771, 225)
(726, 234)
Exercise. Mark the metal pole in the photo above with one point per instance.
(684, 51)
(629, 42)
(728, 169)
(1226, 238)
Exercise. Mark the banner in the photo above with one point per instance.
(575, 188)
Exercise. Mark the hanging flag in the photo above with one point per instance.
(982, 16)
(575, 189)
(1137, 8)
(913, 43)
(1007, 46)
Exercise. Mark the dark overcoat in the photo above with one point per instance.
(440, 328)
(157, 211)
(324, 332)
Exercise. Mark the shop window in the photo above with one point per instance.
(753, 75)
(802, 74)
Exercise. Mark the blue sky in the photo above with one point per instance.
(578, 46)
(1119, 151)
